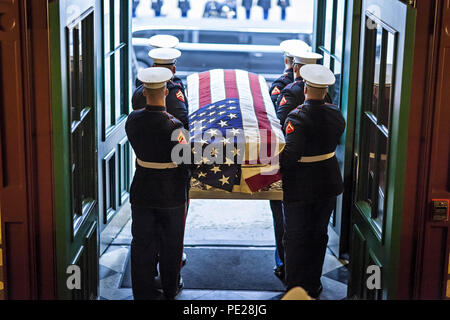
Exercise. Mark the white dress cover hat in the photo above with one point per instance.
(154, 78)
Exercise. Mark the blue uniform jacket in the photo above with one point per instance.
(279, 84)
(184, 5)
(265, 4)
(176, 101)
(283, 3)
(292, 96)
(157, 4)
(311, 130)
(149, 131)
(247, 3)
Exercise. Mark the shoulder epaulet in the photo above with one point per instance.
(170, 117)
(296, 84)
(170, 84)
(174, 120)
(332, 105)
(174, 85)
(297, 109)
(290, 85)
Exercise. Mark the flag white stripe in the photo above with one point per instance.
(249, 118)
(217, 84)
(193, 83)
(270, 110)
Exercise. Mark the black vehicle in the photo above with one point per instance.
(224, 45)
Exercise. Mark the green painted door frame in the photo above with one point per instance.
(76, 237)
(345, 150)
(377, 242)
(348, 92)
(91, 155)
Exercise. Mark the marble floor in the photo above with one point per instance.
(200, 231)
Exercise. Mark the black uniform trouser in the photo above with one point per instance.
(278, 225)
(305, 240)
(156, 231)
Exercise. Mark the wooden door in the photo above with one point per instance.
(90, 90)
(384, 84)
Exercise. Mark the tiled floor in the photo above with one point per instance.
(115, 258)
(113, 263)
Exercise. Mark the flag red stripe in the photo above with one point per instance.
(204, 89)
(230, 84)
(260, 181)
(261, 113)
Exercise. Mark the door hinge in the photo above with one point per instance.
(412, 3)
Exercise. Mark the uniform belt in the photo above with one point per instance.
(322, 157)
(156, 165)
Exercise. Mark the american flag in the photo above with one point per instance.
(237, 102)
(217, 140)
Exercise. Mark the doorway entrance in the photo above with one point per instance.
(230, 249)
(93, 103)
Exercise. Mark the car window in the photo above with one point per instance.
(274, 39)
(180, 34)
(209, 36)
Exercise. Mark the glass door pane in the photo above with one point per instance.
(107, 25)
(118, 88)
(117, 23)
(328, 24)
(107, 101)
(382, 176)
(339, 28)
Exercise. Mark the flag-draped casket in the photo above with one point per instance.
(235, 135)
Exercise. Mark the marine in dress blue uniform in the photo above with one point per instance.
(311, 179)
(265, 4)
(247, 4)
(176, 100)
(276, 205)
(288, 76)
(158, 191)
(283, 4)
(156, 5)
(184, 6)
(163, 41)
(164, 55)
(293, 94)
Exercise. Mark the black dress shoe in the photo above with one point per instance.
(180, 285)
(280, 274)
(316, 293)
(183, 260)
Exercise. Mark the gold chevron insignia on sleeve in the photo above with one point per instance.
(283, 101)
(290, 128)
(181, 138)
(180, 96)
(276, 91)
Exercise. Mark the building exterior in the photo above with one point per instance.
(65, 160)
